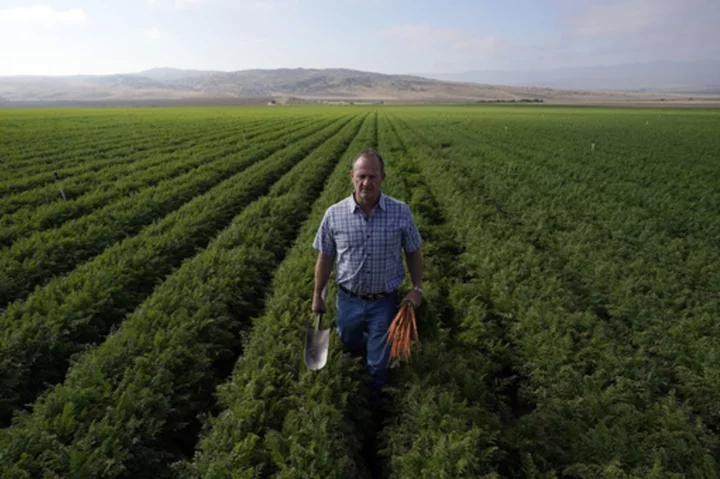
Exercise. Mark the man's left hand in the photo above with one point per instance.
(414, 297)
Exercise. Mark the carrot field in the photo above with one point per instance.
(156, 274)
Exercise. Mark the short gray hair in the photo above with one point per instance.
(369, 153)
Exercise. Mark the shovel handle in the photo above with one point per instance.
(318, 316)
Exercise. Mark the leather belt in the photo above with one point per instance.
(364, 297)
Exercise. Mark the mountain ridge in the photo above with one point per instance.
(298, 84)
(658, 76)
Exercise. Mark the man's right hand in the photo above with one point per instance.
(318, 305)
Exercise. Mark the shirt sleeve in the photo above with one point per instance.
(324, 241)
(411, 239)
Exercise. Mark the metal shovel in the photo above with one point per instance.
(317, 342)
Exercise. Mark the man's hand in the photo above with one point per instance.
(318, 305)
(415, 267)
(414, 297)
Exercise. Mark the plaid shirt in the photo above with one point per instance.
(368, 247)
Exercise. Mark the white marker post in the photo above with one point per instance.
(62, 193)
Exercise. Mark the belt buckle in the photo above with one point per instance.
(364, 297)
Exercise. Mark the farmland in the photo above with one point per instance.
(152, 322)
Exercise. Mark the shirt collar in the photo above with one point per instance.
(382, 203)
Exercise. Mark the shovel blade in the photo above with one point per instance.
(317, 343)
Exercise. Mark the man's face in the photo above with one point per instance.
(367, 178)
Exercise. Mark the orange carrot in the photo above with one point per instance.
(402, 332)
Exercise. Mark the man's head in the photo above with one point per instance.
(367, 175)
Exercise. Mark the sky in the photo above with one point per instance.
(387, 36)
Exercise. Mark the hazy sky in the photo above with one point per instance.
(387, 36)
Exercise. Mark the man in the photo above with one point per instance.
(366, 233)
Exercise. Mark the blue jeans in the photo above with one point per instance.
(363, 325)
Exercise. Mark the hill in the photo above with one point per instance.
(283, 85)
(660, 76)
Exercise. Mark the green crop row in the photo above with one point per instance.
(34, 260)
(58, 320)
(129, 407)
(444, 419)
(113, 183)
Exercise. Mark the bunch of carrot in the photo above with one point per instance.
(403, 331)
